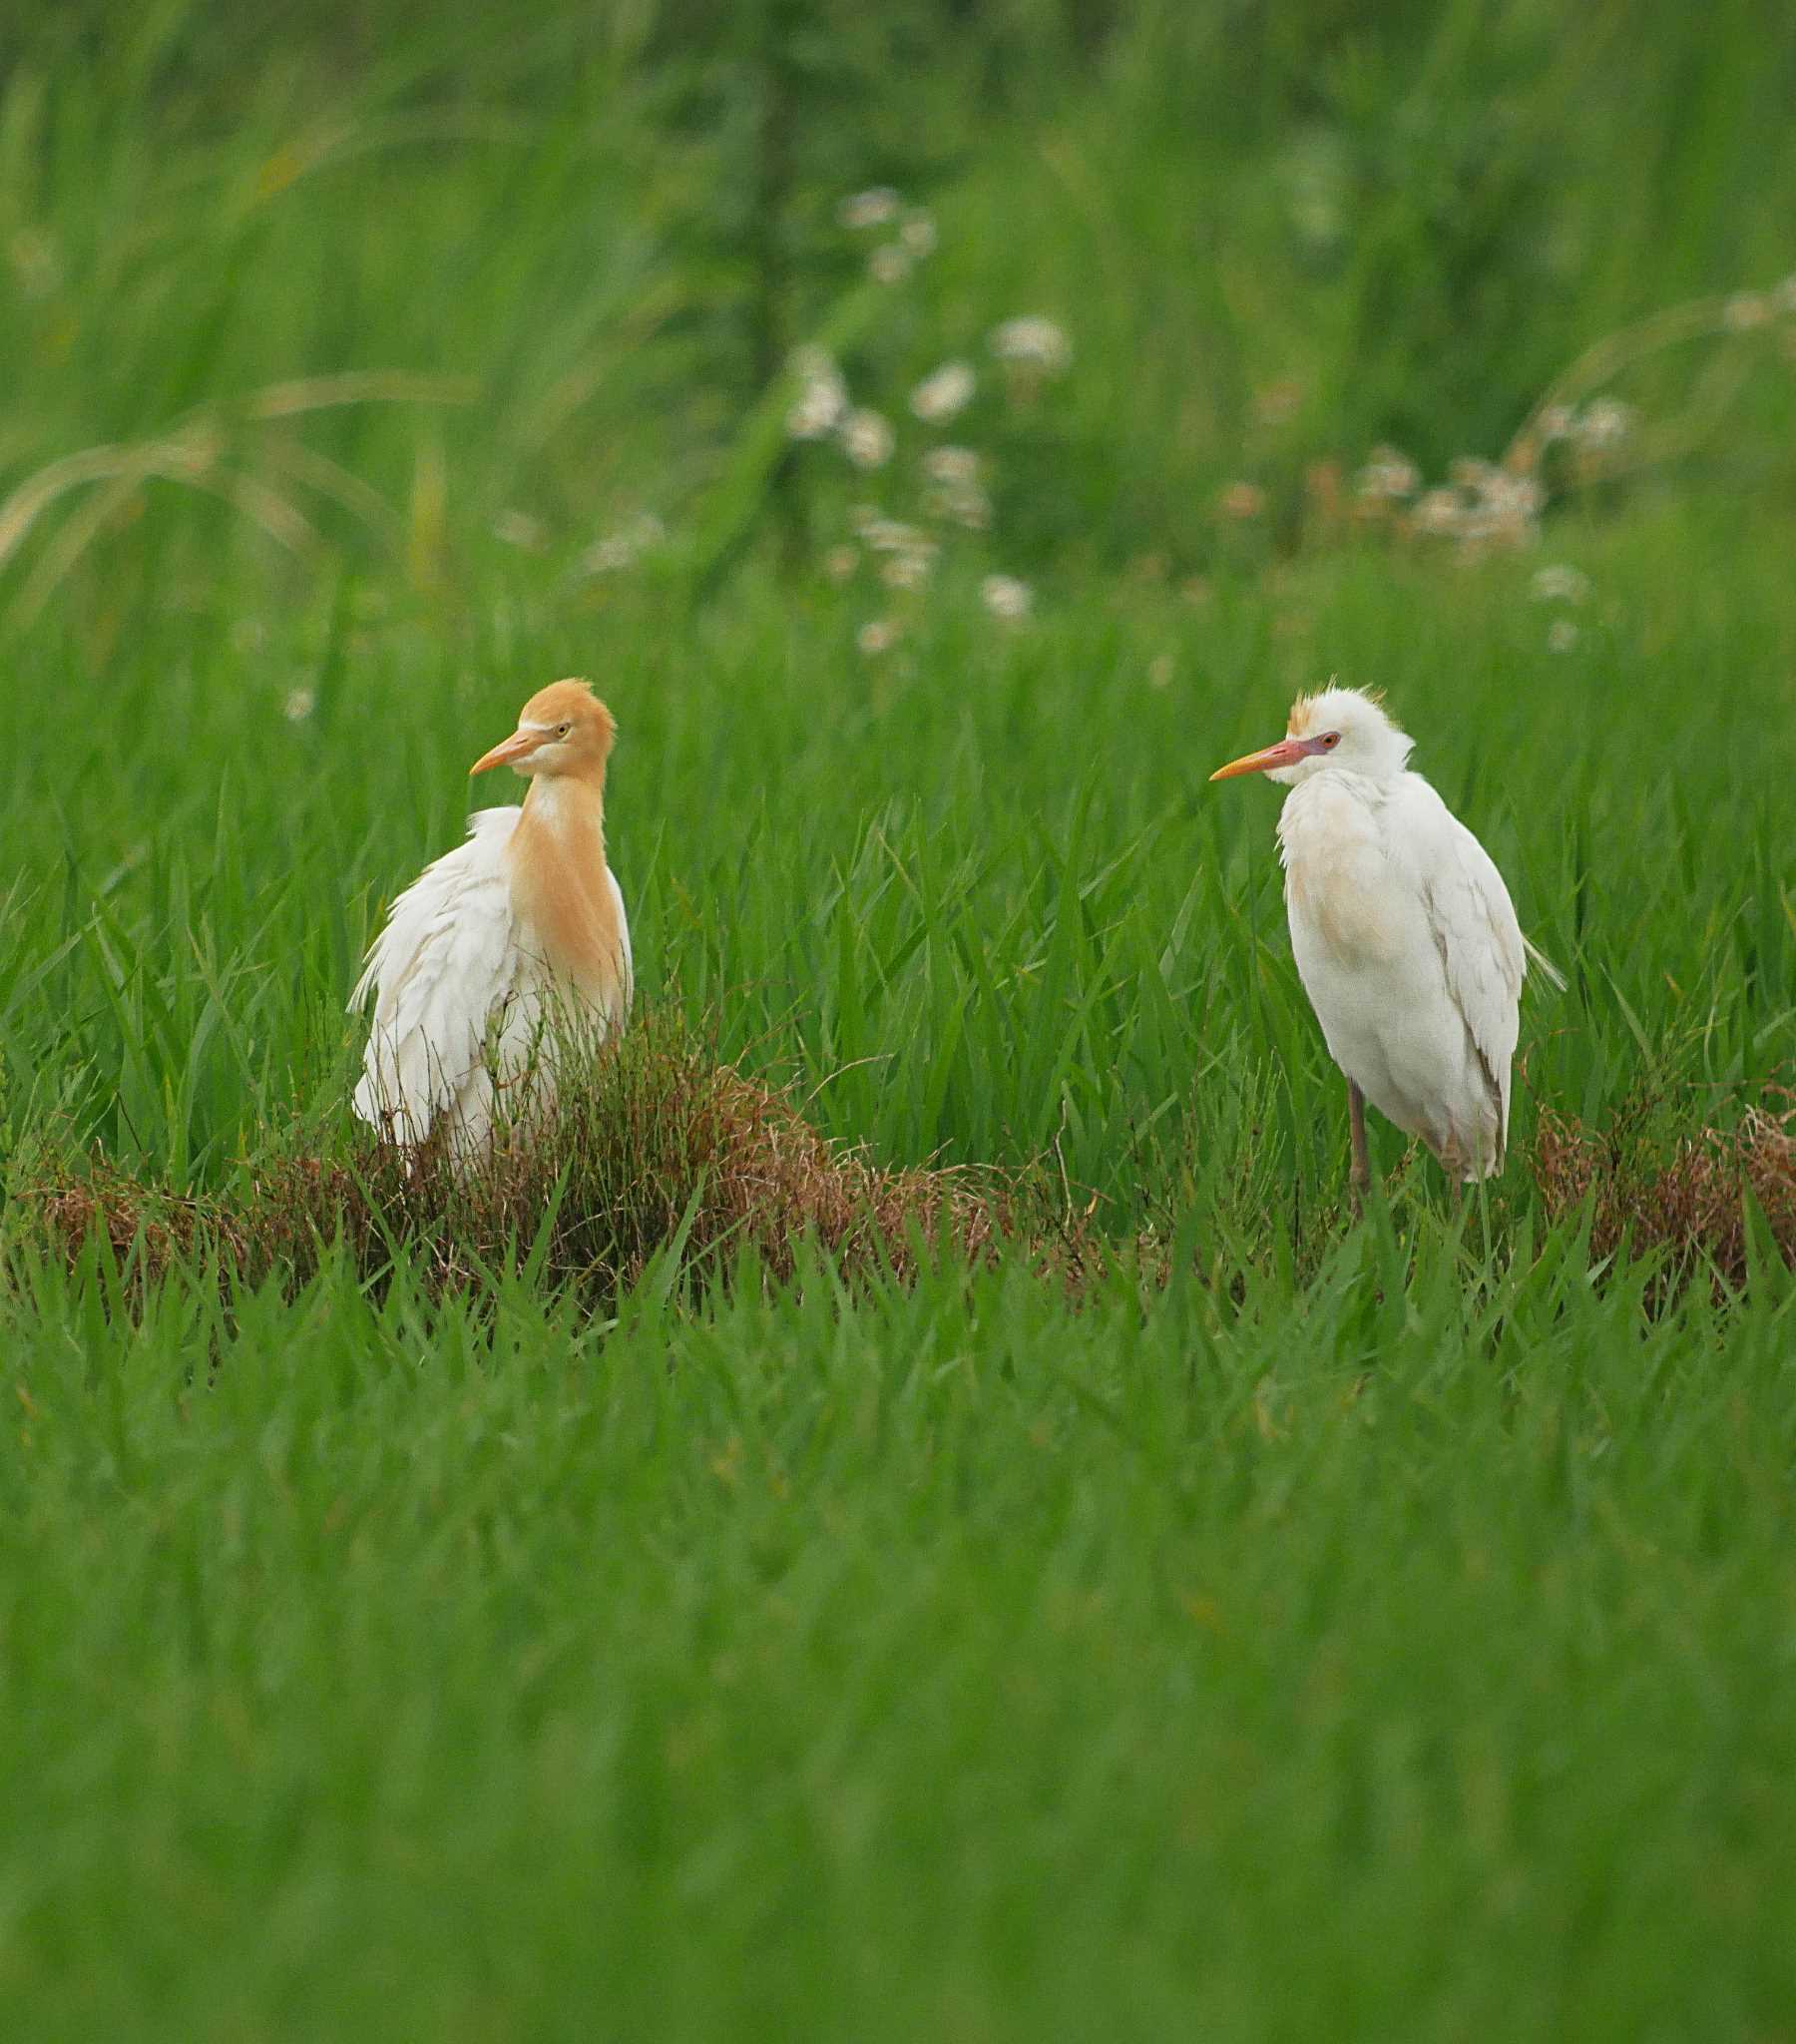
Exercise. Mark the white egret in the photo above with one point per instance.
(1404, 934)
(500, 944)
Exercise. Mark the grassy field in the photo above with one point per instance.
(1272, 1627)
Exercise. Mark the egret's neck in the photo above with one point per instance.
(1327, 807)
(561, 888)
(1371, 781)
(566, 805)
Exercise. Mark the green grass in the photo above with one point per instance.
(1308, 1629)
(1400, 1657)
(966, 896)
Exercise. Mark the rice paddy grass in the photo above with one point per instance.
(1042, 1568)
(1304, 1626)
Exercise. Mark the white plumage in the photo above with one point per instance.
(1403, 932)
(500, 945)
(463, 991)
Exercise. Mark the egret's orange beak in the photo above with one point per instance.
(1285, 753)
(518, 746)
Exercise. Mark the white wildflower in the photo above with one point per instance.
(877, 635)
(1559, 583)
(889, 263)
(960, 503)
(621, 549)
(299, 705)
(1606, 423)
(1489, 504)
(1555, 423)
(953, 465)
(520, 529)
(1387, 477)
(874, 208)
(1032, 341)
(840, 562)
(815, 413)
(1440, 511)
(1468, 472)
(1006, 597)
(954, 491)
(909, 570)
(892, 536)
(1562, 636)
(1512, 498)
(822, 397)
(944, 392)
(918, 234)
(867, 439)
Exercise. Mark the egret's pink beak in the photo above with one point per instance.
(1285, 753)
(518, 746)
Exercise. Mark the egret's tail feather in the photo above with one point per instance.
(1549, 971)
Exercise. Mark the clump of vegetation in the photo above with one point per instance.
(1654, 1184)
(655, 1147)
(148, 1229)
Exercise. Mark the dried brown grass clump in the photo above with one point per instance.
(146, 1229)
(655, 1147)
(1652, 1185)
(769, 1179)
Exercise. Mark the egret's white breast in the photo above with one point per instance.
(1338, 882)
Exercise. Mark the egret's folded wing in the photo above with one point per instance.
(441, 970)
(1480, 943)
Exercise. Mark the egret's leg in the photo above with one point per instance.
(1360, 1177)
(1453, 1164)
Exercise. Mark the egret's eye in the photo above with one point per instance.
(562, 730)
(1331, 739)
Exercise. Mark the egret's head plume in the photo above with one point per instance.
(1349, 728)
(1344, 727)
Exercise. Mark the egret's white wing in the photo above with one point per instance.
(1474, 925)
(442, 970)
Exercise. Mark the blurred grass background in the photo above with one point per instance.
(1275, 236)
(1378, 1632)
